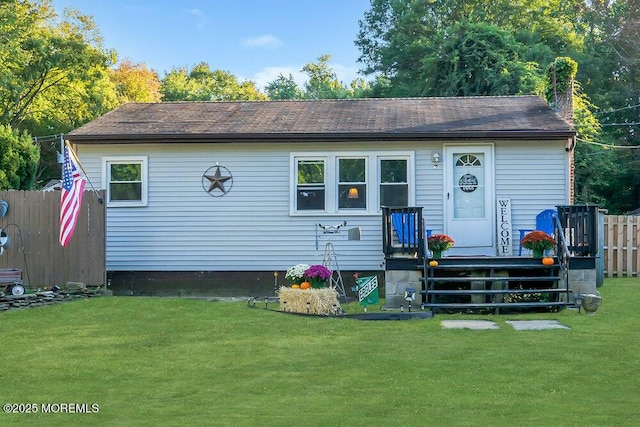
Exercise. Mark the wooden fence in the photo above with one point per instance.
(621, 241)
(32, 225)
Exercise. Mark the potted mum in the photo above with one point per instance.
(317, 275)
(438, 243)
(295, 274)
(538, 242)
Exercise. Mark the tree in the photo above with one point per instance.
(476, 59)
(284, 88)
(202, 84)
(47, 63)
(323, 82)
(54, 74)
(19, 157)
(400, 40)
(136, 83)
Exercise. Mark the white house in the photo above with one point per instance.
(214, 197)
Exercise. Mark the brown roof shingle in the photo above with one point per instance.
(504, 116)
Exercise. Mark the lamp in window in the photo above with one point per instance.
(353, 193)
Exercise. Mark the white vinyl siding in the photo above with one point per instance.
(254, 227)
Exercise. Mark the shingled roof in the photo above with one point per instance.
(383, 119)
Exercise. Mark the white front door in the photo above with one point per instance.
(469, 195)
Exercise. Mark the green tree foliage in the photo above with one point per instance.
(203, 84)
(323, 82)
(50, 62)
(54, 74)
(284, 88)
(19, 158)
(406, 41)
(476, 59)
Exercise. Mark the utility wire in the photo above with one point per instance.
(618, 109)
(602, 144)
(620, 124)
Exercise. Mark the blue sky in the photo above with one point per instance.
(252, 39)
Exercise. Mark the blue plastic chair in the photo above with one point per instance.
(544, 222)
(404, 224)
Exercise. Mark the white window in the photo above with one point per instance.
(350, 182)
(394, 182)
(125, 181)
(310, 185)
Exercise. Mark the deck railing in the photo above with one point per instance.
(579, 223)
(403, 232)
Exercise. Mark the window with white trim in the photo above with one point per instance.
(310, 186)
(394, 182)
(350, 182)
(126, 181)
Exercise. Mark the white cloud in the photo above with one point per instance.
(266, 40)
(269, 74)
(345, 74)
(200, 17)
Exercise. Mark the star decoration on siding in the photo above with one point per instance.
(217, 181)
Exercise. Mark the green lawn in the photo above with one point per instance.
(162, 361)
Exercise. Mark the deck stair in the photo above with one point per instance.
(493, 283)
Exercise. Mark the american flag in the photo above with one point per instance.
(71, 198)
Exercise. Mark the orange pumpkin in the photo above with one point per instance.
(433, 263)
(305, 285)
(547, 261)
(295, 286)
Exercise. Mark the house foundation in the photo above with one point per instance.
(396, 283)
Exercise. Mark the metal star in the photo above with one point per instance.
(217, 180)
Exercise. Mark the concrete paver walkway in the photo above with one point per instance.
(469, 324)
(519, 325)
(534, 325)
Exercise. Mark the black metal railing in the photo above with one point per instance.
(579, 225)
(403, 232)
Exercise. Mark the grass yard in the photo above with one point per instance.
(180, 362)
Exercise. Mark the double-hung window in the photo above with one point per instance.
(126, 181)
(352, 183)
(394, 182)
(310, 186)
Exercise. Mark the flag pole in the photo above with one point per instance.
(75, 157)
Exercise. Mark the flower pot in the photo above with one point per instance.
(436, 254)
(591, 303)
(318, 283)
(538, 253)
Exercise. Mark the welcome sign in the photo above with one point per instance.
(367, 288)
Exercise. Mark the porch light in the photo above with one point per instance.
(353, 193)
(435, 159)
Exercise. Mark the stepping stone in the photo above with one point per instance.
(536, 325)
(469, 324)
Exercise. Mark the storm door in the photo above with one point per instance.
(469, 195)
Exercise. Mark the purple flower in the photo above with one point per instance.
(317, 272)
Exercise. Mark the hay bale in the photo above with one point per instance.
(322, 301)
